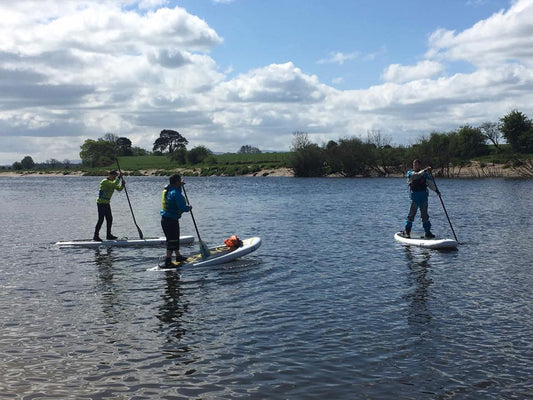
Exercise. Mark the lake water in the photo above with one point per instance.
(330, 306)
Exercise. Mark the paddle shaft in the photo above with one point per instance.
(129, 203)
(443, 207)
(192, 215)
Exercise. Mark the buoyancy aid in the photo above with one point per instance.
(418, 185)
(172, 203)
(107, 187)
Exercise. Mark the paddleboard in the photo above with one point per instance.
(420, 241)
(218, 255)
(124, 242)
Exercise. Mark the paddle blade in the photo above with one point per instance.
(204, 250)
(140, 233)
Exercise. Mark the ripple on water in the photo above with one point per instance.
(329, 306)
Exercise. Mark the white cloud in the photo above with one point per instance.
(507, 36)
(404, 73)
(338, 58)
(72, 70)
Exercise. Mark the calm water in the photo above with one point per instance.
(329, 306)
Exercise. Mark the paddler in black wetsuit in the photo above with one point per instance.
(419, 180)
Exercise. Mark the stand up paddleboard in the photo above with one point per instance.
(218, 255)
(155, 241)
(420, 241)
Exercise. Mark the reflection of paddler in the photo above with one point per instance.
(172, 206)
(107, 187)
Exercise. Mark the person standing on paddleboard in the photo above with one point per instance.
(107, 187)
(172, 206)
(419, 180)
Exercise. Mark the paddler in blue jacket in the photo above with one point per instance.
(172, 206)
(419, 180)
(107, 187)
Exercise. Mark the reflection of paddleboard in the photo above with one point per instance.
(420, 241)
(218, 255)
(158, 241)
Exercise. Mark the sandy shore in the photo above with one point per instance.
(146, 172)
(475, 170)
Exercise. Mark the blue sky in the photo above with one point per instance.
(369, 34)
(252, 72)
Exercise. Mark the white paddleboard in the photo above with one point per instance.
(420, 241)
(124, 242)
(218, 255)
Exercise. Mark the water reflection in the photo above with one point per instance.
(419, 284)
(104, 259)
(173, 307)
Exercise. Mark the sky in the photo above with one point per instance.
(228, 73)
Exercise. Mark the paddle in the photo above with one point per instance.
(131, 209)
(444, 208)
(204, 250)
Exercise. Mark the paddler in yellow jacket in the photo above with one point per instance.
(107, 187)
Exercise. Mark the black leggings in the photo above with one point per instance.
(171, 227)
(104, 211)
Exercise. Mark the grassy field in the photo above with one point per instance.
(219, 164)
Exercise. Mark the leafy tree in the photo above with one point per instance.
(110, 137)
(53, 163)
(171, 140)
(518, 131)
(17, 166)
(468, 142)
(139, 151)
(27, 163)
(331, 144)
(435, 151)
(307, 159)
(355, 156)
(247, 149)
(492, 133)
(332, 157)
(124, 146)
(179, 156)
(198, 154)
(98, 153)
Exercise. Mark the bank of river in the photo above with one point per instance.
(475, 170)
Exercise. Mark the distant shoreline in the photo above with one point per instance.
(475, 170)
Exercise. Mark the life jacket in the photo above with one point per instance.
(418, 185)
(233, 241)
(169, 209)
(107, 187)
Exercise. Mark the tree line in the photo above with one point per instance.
(348, 156)
(102, 152)
(353, 156)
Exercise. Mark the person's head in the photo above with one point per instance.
(175, 180)
(112, 175)
(416, 165)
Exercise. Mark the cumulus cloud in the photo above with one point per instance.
(72, 70)
(280, 83)
(507, 36)
(403, 73)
